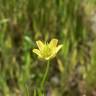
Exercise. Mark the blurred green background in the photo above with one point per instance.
(72, 71)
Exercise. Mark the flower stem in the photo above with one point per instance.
(45, 75)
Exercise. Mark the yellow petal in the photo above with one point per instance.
(36, 51)
(50, 57)
(40, 44)
(58, 48)
(54, 53)
(47, 58)
(53, 43)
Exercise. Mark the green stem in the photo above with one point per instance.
(34, 92)
(45, 75)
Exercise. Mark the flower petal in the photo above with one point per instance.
(50, 57)
(53, 43)
(36, 51)
(40, 44)
(47, 58)
(58, 48)
(54, 53)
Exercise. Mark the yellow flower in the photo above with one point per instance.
(48, 50)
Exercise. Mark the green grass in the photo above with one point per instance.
(22, 22)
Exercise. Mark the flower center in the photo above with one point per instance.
(46, 51)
